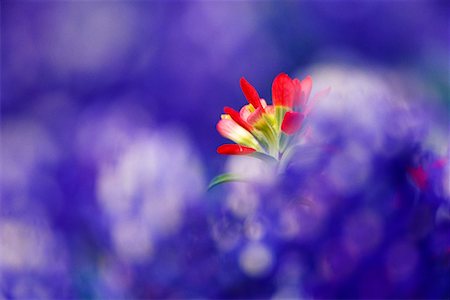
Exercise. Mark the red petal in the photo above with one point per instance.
(235, 116)
(250, 93)
(298, 99)
(234, 149)
(292, 122)
(283, 91)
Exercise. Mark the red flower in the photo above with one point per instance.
(258, 126)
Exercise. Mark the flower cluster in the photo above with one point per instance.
(268, 129)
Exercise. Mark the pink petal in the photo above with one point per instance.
(306, 89)
(298, 99)
(231, 130)
(270, 109)
(311, 103)
(255, 116)
(226, 127)
(245, 112)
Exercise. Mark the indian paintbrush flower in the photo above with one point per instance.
(268, 131)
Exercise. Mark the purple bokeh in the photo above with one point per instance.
(108, 142)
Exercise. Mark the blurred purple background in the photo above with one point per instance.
(108, 141)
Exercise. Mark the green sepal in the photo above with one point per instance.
(223, 178)
(264, 157)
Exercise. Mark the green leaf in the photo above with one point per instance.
(223, 178)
